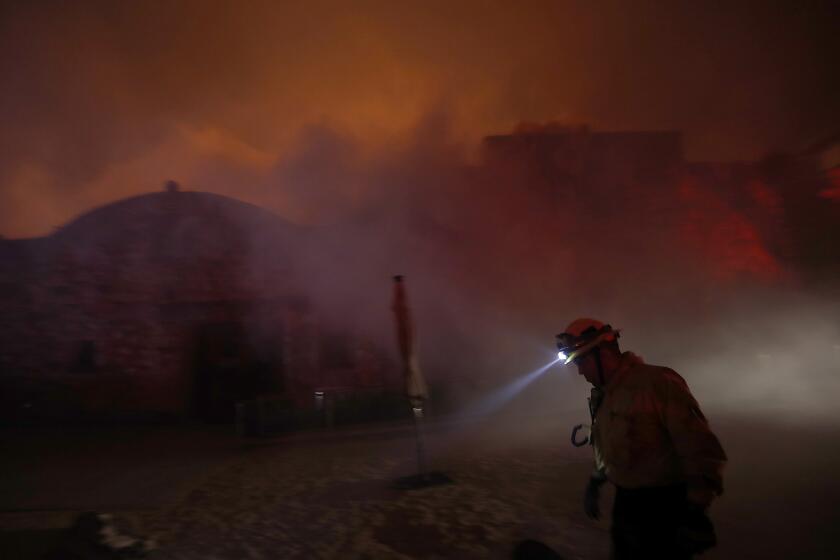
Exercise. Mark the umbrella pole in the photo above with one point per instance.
(421, 451)
(416, 392)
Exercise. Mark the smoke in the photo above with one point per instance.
(496, 265)
(366, 121)
(104, 100)
(776, 354)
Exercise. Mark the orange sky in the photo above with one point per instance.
(102, 100)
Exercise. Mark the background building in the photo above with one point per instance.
(171, 304)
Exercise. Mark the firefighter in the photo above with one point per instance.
(652, 442)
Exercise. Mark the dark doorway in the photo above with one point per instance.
(233, 365)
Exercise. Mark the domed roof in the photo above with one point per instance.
(181, 245)
(159, 213)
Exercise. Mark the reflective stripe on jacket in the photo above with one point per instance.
(649, 431)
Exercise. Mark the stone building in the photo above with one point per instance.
(171, 304)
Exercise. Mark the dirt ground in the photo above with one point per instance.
(202, 492)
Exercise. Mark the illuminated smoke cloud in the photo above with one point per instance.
(103, 100)
(367, 124)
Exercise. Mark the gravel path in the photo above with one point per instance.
(203, 493)
(335, 499)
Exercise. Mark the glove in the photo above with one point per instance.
(695, 532)
(592, 495)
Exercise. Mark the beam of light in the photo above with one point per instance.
(561, 356)
(494, 401)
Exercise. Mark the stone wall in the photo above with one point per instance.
(104, 317)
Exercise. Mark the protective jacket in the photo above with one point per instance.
(649, 431)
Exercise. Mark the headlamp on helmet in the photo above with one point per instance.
(576, 342)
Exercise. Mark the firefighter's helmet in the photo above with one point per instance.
(582, 336)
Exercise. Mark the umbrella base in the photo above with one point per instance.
(422, 480)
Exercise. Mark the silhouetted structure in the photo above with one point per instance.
(760, 218)
(167, 304)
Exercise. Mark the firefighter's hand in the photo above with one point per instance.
(591, 497)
